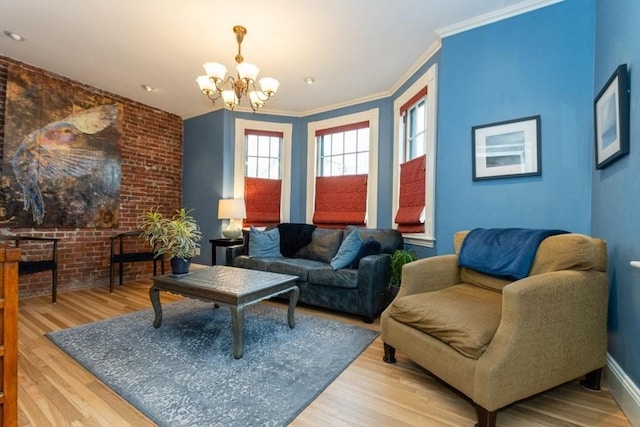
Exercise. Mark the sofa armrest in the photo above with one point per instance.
(373, 276)
(237, 251)
(429, 274)
(553, 330)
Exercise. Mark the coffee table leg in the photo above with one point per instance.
(237, 320)
(293, 300)
(154, 295)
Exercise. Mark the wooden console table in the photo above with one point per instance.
(9, 258)
(46, 263)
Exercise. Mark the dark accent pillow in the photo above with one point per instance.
(370, 246)
(293, 237)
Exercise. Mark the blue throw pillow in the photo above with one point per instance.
(264, 244)
(347, 252)
(370, 246)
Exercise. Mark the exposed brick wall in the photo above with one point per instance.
(151, 177)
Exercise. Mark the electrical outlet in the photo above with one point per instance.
(197, 251)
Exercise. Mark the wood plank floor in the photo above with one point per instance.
(53, 390)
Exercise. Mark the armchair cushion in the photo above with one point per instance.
(463, 316)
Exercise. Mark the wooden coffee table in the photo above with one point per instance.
(235, 287)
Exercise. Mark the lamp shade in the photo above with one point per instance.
(231, 209)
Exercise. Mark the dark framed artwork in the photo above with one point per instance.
(506, 149)
(61, 164)
(611, 118)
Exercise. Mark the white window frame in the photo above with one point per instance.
(429, 80)
(241, 126)
(372, 180)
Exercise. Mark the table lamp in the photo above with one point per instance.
(231, 209)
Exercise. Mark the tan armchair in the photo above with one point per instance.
(500, 341)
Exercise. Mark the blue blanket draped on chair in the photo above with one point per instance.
(502, 252)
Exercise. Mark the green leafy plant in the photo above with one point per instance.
(177, 236)
(399, 258)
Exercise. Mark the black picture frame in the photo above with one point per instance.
(507, 149)
(611, 119)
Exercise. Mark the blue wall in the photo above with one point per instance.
(203, 165)
(532, 64)
(616, 195)
(540, 63)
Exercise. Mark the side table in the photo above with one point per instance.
(227, 244)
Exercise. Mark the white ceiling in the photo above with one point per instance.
(354, 49)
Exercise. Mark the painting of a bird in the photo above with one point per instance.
(58, 150)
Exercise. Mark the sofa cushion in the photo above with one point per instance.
(389, 239)
(264, 244)
(465, 317)
(348, 250)
(326, 276)
(262, 264)
(295, 266)
(370, 246)
(324, 245)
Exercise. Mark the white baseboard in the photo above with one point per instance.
(624, 391)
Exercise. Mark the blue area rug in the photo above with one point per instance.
(184, 373)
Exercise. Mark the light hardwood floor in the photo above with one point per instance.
(55, 391)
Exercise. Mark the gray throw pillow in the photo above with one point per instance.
(264, 244)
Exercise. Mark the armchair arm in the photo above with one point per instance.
(429, 274)
(553, 330)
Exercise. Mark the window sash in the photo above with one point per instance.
(343, 150)
(263, 149)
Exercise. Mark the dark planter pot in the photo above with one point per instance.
(392, 292)
(180, 265)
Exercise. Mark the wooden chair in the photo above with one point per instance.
(130, 252)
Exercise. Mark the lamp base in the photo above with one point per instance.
(232, 232)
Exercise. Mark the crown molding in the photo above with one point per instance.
(495, 16)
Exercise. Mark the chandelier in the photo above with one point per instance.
(232, 89)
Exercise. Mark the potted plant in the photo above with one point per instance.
(399, 258)
(177, 236)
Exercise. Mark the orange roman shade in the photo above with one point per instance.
(412, 196)
(262, 199)
(340, 201)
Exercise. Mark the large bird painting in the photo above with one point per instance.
(59, 172)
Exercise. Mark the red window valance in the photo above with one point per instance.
(262, 200)
(343, 128)
(415, 98)
(259, 132)
(412, 196)
(340, 201)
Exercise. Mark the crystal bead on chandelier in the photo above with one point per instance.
(232, 89)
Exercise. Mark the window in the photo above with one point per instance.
(410, 215)
(343, 150)
(262, 150)
(414, 160)
(262, 174)
(342, 178)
